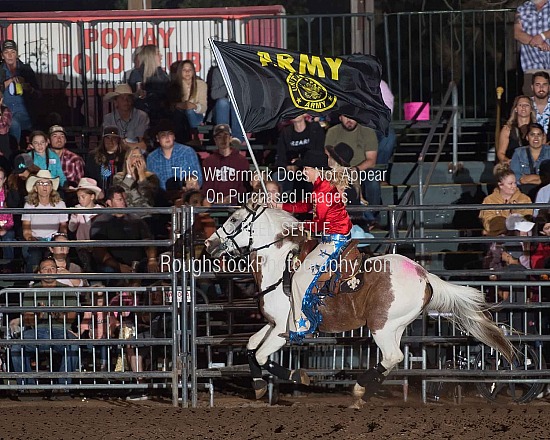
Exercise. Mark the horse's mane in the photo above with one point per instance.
(280, 221)
(280, 217)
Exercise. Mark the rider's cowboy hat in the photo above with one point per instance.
(342, 153)
(120, 89)
(42, 175)
(313, 159)
(90, 184)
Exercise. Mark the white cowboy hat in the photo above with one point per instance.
(120, 89)
(90, 184)
(42, 175)
(517, 222)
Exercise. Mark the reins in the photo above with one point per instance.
(255, 215)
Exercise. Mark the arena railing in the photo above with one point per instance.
(336, 360)
(24, 303)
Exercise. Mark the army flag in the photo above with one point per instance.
(269, 84)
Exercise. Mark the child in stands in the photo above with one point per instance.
(44, 157)
(88, 193)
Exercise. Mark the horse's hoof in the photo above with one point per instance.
(358, 391)
(260, 388)
(300, 377)
(358, 404)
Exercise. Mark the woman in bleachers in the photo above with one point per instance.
(506, 192)
(188, 92)
(107, 159)
(514, 132)
(141, 186)
(42, 189)
(150, 83)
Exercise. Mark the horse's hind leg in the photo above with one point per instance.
(388, 340)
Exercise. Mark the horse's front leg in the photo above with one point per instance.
(259, 385)
(268, 342)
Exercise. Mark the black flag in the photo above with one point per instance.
(270, 84)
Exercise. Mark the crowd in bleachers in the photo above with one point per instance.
(149, 155)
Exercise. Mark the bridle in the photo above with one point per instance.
(230, 236)
(255, 214)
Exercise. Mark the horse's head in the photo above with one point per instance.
(235, 234)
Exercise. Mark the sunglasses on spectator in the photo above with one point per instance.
(43, 183)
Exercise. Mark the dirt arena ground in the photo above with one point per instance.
(304, 417)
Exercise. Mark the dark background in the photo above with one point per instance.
(292, 6)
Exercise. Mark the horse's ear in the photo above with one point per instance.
(252, 204)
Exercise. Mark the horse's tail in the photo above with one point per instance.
(469, 311)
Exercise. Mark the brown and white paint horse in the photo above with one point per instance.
(388, 302)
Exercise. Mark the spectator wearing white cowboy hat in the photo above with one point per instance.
(131, 122)
(42, 189)
(88, 193)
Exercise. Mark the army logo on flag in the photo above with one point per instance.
(309, 94)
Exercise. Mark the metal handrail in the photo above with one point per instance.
(423, 184)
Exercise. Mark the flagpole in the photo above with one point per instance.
(229, 87)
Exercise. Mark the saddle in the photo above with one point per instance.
(346, 276)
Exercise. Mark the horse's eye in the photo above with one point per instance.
(233, 220)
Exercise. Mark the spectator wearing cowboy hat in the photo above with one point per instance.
(130, 121)
(88, 193)
(107, 159)
(71, 163)
(42, 189)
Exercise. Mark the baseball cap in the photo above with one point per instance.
(56, 129)
(21, 163)
(514, 249)
(9, 44)
(221, 128)
(111, 130)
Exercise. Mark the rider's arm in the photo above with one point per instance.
(297, 207)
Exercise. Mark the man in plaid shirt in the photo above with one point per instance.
(532, 30)
(71, 163)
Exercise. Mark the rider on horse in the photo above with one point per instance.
(330, 217)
